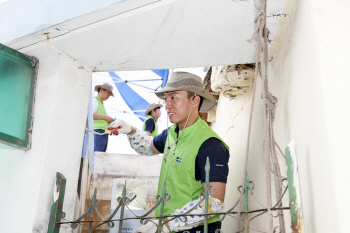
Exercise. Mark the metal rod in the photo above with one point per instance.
(122, 81)
(207, 169)
(160, 220)
(158, 87)
(246, 220)
(285, 190)
(131, 81)
(92, 210)
(107, 106)
(142, 86)
(122, 209)
(180, 215)
(133, 84)
(88, 209)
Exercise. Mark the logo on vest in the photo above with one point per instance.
(178, 160)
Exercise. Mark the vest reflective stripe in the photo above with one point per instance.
(179, 177)
(155, 131)
(100, 124)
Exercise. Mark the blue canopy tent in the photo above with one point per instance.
(132, 99)
(164, 74)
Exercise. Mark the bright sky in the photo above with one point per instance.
(116, 105)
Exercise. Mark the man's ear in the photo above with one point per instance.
(196, 99)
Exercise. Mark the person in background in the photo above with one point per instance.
(101, 119)
(185, 146)
(150, 125)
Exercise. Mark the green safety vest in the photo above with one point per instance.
(155, 131)
(178, 172)
(100, 124)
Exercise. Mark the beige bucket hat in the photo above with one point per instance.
(184, 81)
(151, 107)
(105, 86)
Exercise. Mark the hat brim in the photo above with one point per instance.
(97, 86)
(149, 110)
(209, 100)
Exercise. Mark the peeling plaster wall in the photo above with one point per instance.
(308, 74)
(235, 113)
(27, 178)
(232, 112)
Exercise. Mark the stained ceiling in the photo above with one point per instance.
(154, 34)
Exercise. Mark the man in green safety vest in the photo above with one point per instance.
(101, 119)
(185, 146)
(150, 125)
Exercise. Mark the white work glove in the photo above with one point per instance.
(151, 227)
(119, 126)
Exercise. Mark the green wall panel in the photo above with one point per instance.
(296, 210)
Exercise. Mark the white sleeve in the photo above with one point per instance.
(94, 105)
(215, 206)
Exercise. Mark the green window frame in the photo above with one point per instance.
(18, 73)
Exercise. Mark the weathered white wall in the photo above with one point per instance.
(27, 178)
(232, 122)
(26, 17)
(308, 75)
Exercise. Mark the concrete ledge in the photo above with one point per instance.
(123, 165)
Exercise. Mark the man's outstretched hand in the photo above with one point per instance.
(119, 126)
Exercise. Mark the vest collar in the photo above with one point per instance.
(176, 131)
(98, 99)
(150, 116)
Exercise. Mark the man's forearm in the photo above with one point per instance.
(194, 217)
(148, 133)
(133, 130)
(98, 116)
(220, 189)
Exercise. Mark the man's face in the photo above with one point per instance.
(178, 106)
(156, 113)
(105, 94)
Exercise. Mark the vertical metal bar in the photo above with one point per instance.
(246, 221)
(160, 220)
(122, 209)
(56, 208)
(92, 210)
(207, 169)
(296, 211)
